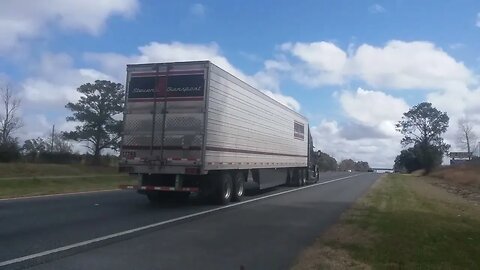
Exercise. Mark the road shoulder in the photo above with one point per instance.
(402, 222)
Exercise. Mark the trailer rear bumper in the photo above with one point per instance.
(141, 168)
(160, 188)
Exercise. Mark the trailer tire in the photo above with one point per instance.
(238, 187)
(223, 188)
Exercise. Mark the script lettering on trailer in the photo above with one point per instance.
(174, 86)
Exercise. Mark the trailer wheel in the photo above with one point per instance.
(238, 187)
(224, 188)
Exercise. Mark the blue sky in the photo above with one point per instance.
(352, 67)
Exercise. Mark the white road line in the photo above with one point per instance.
(58, 194)
(111, 236)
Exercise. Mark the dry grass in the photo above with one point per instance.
(325, 254)
(463, 174)
(463, 180)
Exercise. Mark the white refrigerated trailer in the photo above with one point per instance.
(193, 127)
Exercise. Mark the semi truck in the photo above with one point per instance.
(192, 127)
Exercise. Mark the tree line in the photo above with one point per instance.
(97, 115)
(325, 162)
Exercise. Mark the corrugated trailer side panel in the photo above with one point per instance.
(247, 129)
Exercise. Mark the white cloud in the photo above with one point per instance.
(408, 65)
(35, 125)
(285, 100)
(321, 62)
(460, 102)
(376, 8)
(52, 83)
(22, 20)
(397, 65)
(374, 108)
(368, 131)
(55, 81)
(114, 64)
(378, 152)
(197, 9)
(176, 51)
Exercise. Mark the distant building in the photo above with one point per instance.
(459, 157)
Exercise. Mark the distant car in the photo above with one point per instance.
(370, 170)
(349, 170)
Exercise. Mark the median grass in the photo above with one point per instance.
(404, 222)
(23, 179)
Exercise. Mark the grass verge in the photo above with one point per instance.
(45, 186)
(34, 169)
(404, 222)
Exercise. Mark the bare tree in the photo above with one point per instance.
(466, 136)
(9, 121)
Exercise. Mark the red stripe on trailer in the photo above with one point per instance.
(161, 188)
(163, 73)
(163, 99)
(183, 159)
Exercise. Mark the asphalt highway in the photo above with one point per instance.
(122, 230)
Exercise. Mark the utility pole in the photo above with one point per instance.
(53, 136)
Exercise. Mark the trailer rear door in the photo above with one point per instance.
(164, 118)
